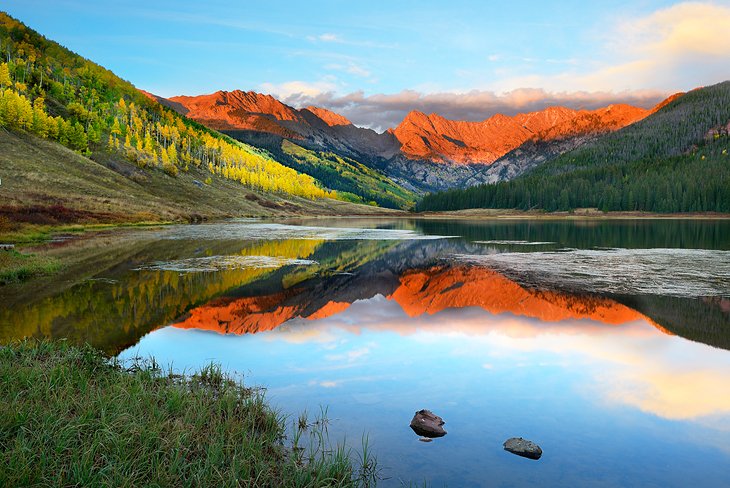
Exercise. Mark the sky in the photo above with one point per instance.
(375, 61)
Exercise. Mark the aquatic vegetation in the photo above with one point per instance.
(222, 263)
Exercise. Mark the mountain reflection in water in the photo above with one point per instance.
(418, 292)
(618, 384)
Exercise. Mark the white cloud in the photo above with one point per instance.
(673, 49)
(381, 111)
(298, 88)
(350, 68)
(349, 356)
(326, 37)
(689, 28)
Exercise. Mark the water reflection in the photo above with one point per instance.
(417, 291)
(659, 373)
(589, 393)
(488, 329)
(113, 308)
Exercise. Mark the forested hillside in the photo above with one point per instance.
(348, 176)
(55, 94)
(675, 160)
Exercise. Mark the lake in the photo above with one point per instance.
(606, 342)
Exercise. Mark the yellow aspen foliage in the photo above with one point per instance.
(116, 129)
(25, 114)
(149, 146)
(164, 157)
(172, 154)
(40, 119)
(5, 80)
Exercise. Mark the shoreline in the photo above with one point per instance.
(32, 234)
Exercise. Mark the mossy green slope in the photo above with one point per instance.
(352, 179)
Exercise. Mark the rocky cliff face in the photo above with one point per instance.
(437, 139)
(328, 117)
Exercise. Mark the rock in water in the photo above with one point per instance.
(427, 424)
(523, 447)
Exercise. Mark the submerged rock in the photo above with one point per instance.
(523, 447)
(427, 424)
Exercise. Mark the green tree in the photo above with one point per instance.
(77, 137)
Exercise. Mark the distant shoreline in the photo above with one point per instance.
(511, 214)
(579, 214)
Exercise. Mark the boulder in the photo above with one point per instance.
(523, 447)
(427, 424)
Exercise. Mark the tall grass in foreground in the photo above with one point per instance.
(69, 416)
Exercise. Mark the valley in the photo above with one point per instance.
(332, 244)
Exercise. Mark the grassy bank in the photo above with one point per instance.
(16, 266)
(71, 417)
(35, 234)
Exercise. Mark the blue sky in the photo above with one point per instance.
(374, 60)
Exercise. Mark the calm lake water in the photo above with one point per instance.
(605, 342)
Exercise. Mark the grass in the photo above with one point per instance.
(27, 233)
(71, 417)
(16, 266)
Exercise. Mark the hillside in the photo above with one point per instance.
(78, 138)
(46, 183)
(675, 160)
(335, 148)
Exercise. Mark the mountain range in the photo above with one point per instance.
(677, 159)
(424, 152)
